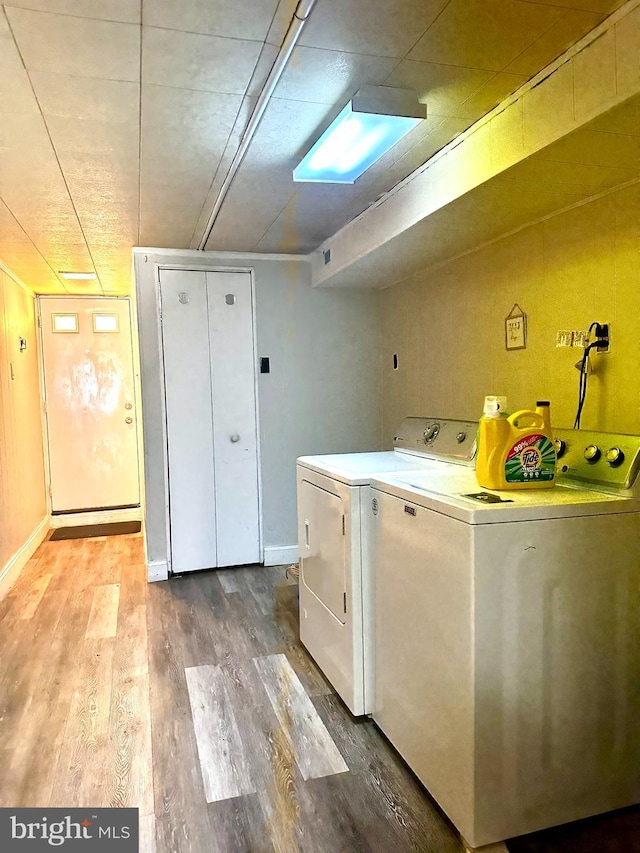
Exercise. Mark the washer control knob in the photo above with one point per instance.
(431, 432)
(615, 456)
(592, 453)
(461, 437)
(561, 447)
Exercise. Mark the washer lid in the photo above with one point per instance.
(357, 469)
(456, 494)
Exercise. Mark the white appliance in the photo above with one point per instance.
(508, 638)
(336, 609)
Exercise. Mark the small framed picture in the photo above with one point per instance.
(515, 328)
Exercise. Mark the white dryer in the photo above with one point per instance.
(334, 531)
(508, 639)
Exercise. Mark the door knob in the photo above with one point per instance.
(235, 438)
(128, 420)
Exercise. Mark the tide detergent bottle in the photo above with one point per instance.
(515, 451)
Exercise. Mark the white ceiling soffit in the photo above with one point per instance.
(570, 134)
(120, 118)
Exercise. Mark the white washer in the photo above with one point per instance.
(334, 519)
(508, 639)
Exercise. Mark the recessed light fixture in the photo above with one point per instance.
(77, 276)
(373, 121)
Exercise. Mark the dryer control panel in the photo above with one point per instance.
(603, 458)
(445, 439)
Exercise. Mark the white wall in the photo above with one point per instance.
(23, 507)
(322, 395)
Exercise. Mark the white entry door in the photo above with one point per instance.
(210, 398)
(90, 403)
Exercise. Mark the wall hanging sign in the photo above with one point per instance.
(515, 328)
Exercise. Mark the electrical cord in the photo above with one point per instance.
(584, 375)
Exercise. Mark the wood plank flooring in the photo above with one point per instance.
(194, 701)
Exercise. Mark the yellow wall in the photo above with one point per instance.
(447, 325)
(22, 485)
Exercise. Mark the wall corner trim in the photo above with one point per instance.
(157, 570)
(281, 554)
(9, 574)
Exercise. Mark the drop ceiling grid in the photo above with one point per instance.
(452, 91)
(144, 104)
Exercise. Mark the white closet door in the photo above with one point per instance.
(234, 417)
(209, 365)
(185, 333)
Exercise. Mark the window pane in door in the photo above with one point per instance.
(105, 323)
(64, 323)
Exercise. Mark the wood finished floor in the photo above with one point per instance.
(194, 701)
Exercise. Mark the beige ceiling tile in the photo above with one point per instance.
(281, 21)
(25, 133)
(569, 29)
(559, 172)
(105, 10)
(184, 126)
(287, 131)
(597, 149)
(491, 94)
(441, 87)
(33, 271)
(82, 47)
(547, 106)
(104, 143)
(624, 119)
(16, 94)
(594, 77)
(627, 34)
(331, 77)
(92, 99)
(485, 34)
(70, 256)
(241, 19)
(191, 61)
(603, 6)
(263, 67)
(360, 26)
(9, 56)
(247, 215)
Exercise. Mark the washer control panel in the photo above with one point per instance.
(438, 438)
(603, 458)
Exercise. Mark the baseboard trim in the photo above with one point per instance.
(157, 570)
(101, 516)
(280, 555)
(16, 564)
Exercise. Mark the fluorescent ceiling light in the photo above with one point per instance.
(371, 123)
(77, 276)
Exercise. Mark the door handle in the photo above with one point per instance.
(128, 420)
(128, 406)
(235, 438)
(306, 532)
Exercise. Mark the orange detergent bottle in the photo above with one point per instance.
(515, 451)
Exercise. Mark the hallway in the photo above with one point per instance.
(194, 701)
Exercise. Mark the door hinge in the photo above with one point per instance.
(50, 491)
(39, 322)
(343, 526)
(345, 602)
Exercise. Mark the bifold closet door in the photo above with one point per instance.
(209, 369)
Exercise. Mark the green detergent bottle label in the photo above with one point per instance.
(531, 459)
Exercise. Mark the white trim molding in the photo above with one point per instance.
(157, 570)
(281, 554)
(9, 574)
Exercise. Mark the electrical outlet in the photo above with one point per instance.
(602, 331)
(580, 338)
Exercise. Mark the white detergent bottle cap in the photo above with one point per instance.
(494, 407)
